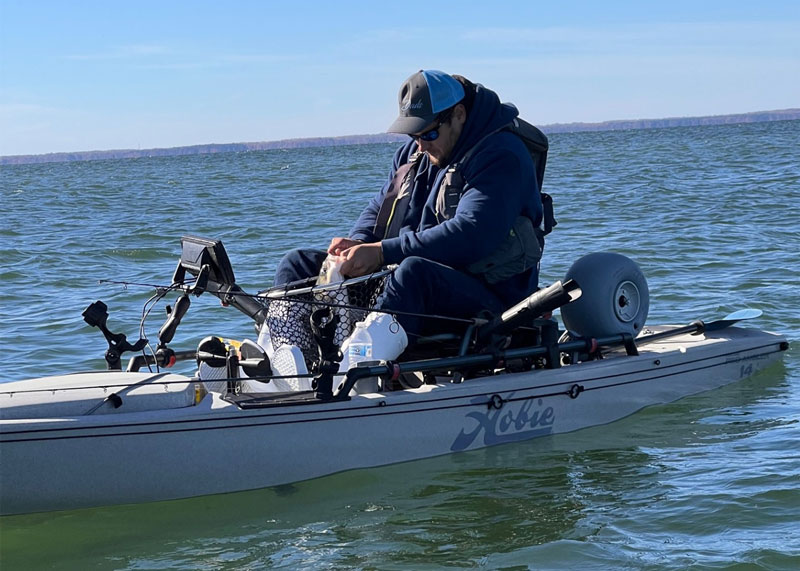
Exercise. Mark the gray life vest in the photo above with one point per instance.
(453, 183)
(522, 248)
(395, 202)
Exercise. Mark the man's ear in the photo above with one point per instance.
(460, 113)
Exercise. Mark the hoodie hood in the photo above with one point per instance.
(487, 115)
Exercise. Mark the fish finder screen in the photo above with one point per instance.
(197, 252)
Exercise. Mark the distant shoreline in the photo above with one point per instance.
(617, 125)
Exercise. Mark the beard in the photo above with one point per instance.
(435, 159)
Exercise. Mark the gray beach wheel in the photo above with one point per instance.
(615, 296)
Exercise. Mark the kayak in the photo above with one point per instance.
(119, 437)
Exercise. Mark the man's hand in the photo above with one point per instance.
(362, 259)
(339, 245)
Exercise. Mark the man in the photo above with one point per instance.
(458, 213)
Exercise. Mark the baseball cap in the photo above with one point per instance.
(422, 97)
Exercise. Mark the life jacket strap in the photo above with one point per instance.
(397, 198)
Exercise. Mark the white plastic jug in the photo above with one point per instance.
(378, 338)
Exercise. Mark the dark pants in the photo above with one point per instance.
(421, 286)
(418, 286)
(298, 265)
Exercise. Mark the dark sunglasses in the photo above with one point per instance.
(433, 134)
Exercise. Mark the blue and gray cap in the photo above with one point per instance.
(422, 97)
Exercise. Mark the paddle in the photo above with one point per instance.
(698, 327)
(588, 345)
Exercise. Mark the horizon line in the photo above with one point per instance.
(578, 126)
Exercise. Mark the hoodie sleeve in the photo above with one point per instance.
(492, 200)
(363, 228)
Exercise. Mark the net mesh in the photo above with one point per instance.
(289, 316)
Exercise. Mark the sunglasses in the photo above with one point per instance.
(433, 134)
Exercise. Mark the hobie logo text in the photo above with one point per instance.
(509, 423)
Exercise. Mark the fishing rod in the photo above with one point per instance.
(286, 294)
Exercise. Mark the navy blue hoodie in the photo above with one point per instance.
(500, 186)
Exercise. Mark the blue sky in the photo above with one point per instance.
(89, 75)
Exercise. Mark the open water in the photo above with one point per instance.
(711, 214)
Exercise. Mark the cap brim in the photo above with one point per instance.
(410, 125)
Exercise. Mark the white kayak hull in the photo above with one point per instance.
(169, 451)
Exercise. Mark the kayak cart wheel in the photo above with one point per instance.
(627, 301)
(615, 296)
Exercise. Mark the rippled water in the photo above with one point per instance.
(713, 481)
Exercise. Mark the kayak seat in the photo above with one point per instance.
(433, 346)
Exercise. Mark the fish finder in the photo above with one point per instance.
(197, 252)
(208, 262)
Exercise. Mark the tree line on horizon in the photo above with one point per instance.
(754, 117)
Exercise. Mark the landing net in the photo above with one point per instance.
(289, 312)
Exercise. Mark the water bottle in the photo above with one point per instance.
(360, 345)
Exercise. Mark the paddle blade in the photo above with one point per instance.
(743, 314)
(732, 318)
